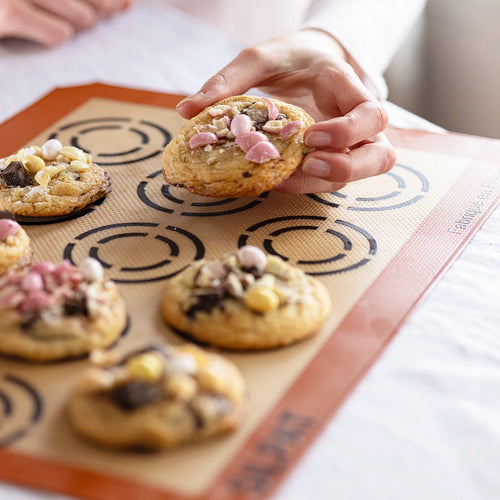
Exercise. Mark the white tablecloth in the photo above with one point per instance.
(425, 421)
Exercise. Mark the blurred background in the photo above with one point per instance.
(448, 70)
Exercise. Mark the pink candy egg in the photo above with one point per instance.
(32, 281)
(202, 139)
(272, 109)
(241, 124)
(249, 140)
(8, 227)
(291, 128)
(262, 152)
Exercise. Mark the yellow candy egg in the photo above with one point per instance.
(33, 163)
(261, 299)
(147, 366)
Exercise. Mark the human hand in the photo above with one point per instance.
(51, 22)
(308, 68)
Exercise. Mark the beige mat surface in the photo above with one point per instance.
(378, 241)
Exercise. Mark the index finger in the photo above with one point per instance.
(363, 115)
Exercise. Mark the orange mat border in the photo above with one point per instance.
(278, 443)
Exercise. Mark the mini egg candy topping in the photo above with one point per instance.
(37, 166)
(245, 127)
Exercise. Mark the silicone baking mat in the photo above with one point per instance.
(378, 245)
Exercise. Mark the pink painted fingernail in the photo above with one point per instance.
(316, 168)
(318, 139)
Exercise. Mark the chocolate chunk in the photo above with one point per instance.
(15, 175)
(259, 116)
(28, 321)
(247, 175)
(136, 393)
(6, 214)
(76, 305)
(206, 302)
(253, 270)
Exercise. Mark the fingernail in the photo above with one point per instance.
(316, 168)
(318, 139)
(190, 98)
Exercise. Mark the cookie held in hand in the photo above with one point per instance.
(55, 311)
(241, 146)
(246, 300)
(158, 397)
(50, 181)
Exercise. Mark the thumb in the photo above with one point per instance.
(234, 79)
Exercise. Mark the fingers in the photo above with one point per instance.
(372, 157)
(234, 79)
(79, 14)
(366, 120)
(25, 21)
(298, 183)
(107, 7)
(51, 23)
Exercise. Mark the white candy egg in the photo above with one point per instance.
(92, 269)
(250, 256)
(51, 149)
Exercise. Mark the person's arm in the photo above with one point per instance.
(308, 68)
(51, 22)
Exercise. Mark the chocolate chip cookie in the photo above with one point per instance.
(241, 146)
(246, 300)
(158, 397)
(50, 181)
(54, 311)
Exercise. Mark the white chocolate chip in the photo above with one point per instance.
(73, 153)
(46, 174)
(273, 126)
(234, 286)
(78, 166)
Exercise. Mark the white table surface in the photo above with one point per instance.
(424, 423)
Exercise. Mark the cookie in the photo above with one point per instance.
(246, 300)
(241, 146)
(50, 182)
(55, 311)
(15, 249)
(158, 398)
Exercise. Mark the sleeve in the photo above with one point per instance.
(369, 30)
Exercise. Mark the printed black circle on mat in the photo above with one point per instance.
(21, 407)
(155, 193)
(318, 246)
(137, 252)
(400, 187)
(104, 139)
